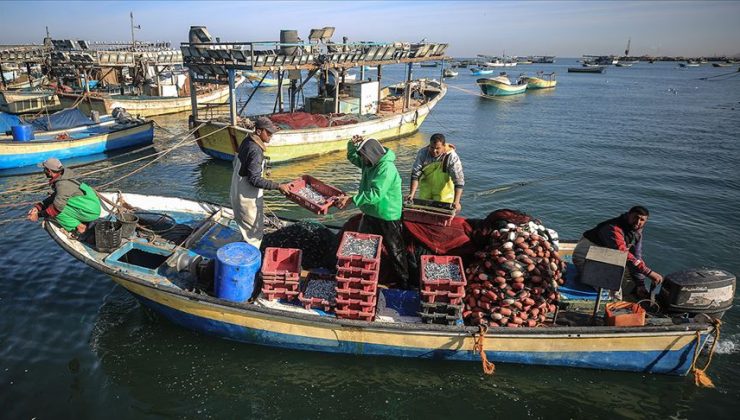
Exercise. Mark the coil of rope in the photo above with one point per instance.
(701, 378)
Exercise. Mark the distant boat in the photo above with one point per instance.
(28, 101)
(480, 71)
(254, 78)
(620, 64)
(721, 64)
(366, 68)
(449, 73)
(545, 59)
(432, 64)
(542, 81)
(587, 68)
(501, 85)
(689, 64)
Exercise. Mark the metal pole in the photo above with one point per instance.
(596, 307)
(133, 40)
(336, 90)
(380, 76)
(193, 95)
(232, 97)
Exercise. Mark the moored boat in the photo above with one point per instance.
(541, 81)
(145, 106)
(480, 71)
(74, 140)
(449, 73)
(164, 273)
(28, 101)
(501, 86)
(260, 80)
(587, 68)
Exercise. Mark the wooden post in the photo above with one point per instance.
(336, 90)
(232, 98)
(407, 91)
(193, 95)
(2, 77)
(380, 76)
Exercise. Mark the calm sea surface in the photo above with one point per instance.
(73, 345)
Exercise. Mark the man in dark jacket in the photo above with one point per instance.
(380, 200)
(247, 182)
(623, 233)
(72, 203)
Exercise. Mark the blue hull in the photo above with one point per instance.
(665, 362)
(126, 138)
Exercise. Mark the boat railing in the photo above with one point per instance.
(211, 60)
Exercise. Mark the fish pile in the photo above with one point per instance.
(434, 271)
(315, 240)
(513, 282)
(310, 194)
(367, 248)
(321, 289)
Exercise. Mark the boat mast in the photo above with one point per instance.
(627, 50)
(133, 40)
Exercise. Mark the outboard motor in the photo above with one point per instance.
(698, 291)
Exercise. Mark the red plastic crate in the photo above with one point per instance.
(442, 296)
(364, 302)
(354, 313)
(442, 260)
(357, 273)
(279, 293)
(282, 262)
(351, 285)
(329, 192)
(360, 236)
(428, 218)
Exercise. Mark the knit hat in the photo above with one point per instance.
(266, 124)
(52, 164)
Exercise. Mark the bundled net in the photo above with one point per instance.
(513, 280)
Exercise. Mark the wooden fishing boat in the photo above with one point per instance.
(587, 68)
(162, 272)
(145, 106)
(24, 102)
(432, 64)
(501, 86)
(621, 64)
(222, 140)
(449, 73)
(721, 64)
(325, 122)
(73, 142)
(541, 81)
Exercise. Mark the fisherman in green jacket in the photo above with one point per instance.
(72, 204)
(380, 199)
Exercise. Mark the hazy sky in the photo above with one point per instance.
(562, 28)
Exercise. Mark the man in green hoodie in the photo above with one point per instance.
(380, 200)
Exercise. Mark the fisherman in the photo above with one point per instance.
(247, 183)
(72, 203)
(438, 173)
(380, 200)
(623, 233)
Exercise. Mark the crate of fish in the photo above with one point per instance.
(442, 279)
(357, 273)
(312, 194)
(282, 263)
(441, 313)
(318, 293)
(366, 303)
(359, 250)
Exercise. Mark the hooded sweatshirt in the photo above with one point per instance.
(380, 186)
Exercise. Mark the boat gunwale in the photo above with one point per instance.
(417, 329)
(18, 144)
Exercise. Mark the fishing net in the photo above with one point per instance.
(318, 243)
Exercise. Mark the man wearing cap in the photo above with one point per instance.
(72, 203)
(380, 200)
(247, 183)
(438, 173)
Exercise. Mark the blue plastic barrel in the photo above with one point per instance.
(23, 132)
(236, 265)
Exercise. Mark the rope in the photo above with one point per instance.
(700, 375)
(488, 367)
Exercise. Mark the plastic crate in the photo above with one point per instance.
(441, 313)
(427, 218)
(314, 302)
(447, 290)
(327, 191)
(351, 285)
(634, 316)
(359, 236)
(365, 302)
(279, 293)
(355, 313)
(282, 263)
(357, 273)
(442, 296)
